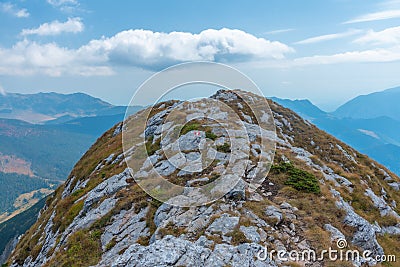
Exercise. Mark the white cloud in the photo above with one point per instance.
(156, 49)
(58, 3)
(28, 58)
(72, 25)
(328, 37)
(67, 6)
(381, 15)
(139, 48)
(14, 10)
(373, 55)
(389, 36)
(279, 31)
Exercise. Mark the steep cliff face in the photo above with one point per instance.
(318, 190)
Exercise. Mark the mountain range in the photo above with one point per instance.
(48, 107)
(374, 105)
(368, 123)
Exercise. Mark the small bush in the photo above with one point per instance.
(298, 179)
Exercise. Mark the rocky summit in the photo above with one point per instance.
(319, 194)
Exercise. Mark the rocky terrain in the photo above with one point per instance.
(318, 190)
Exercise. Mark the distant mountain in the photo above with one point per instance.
(42, 107)
(36, 157)
(303, 107)
(379, 137)
(379, 104)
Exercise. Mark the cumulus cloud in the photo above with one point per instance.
(14, 10)
(381, 15)
(389, 36)
(72, 25)
(156, 49)
(328, 37)
(139, 48)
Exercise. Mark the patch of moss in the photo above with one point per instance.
(225, 148)
(211, 135)
(111, 244)
(198, 126)
(152, 147)
(191, 126)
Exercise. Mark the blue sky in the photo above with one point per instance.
(326, 51)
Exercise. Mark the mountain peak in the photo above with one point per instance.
(318, 191)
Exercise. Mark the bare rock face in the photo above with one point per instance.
(318, 191)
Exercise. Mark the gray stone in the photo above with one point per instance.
(238, 192)
(172, 251)
(285, 205)
(335, 233)
(274, 213)
(161, 213)
(391, 230)
(365, 235)
(204, 242)
(165, 168)
(106, 188)
(380, 204)
(203, 179)
(191, 141)
(395, 186)
(251, 233)
(223, 224)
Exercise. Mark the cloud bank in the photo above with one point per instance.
(139, 48)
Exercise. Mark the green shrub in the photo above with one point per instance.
(297, 178)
